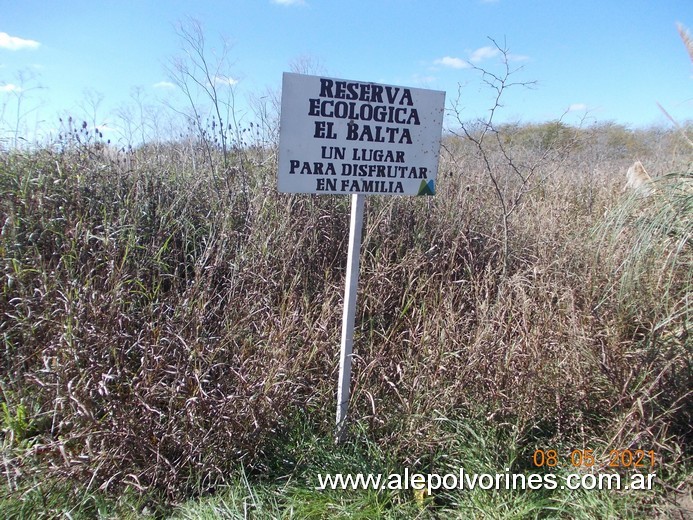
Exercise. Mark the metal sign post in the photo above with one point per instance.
(349, 314)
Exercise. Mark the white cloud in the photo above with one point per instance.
(225, 80)
(423, 80)
(577, 107)
(14, 43)
(477, 56)
(483, 53)
(454, 63)
(517, 57)
(9, 87)
(164, 84)
(289, 2)
(107, 128)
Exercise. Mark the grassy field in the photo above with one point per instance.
(170, 327)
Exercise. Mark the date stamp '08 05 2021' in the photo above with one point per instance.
(616, 459)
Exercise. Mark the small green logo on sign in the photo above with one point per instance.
(427, 188)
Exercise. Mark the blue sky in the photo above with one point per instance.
(609, 60)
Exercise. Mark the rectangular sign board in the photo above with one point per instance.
(353, 137)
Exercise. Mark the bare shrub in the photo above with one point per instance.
(512, 174)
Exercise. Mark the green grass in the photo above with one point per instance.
(286, 488)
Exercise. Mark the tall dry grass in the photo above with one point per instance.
(163, 324)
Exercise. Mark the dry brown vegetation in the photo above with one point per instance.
(164, 321)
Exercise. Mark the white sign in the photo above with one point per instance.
(354, 137)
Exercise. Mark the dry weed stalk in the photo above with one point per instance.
(638, 180)
(686, 37)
